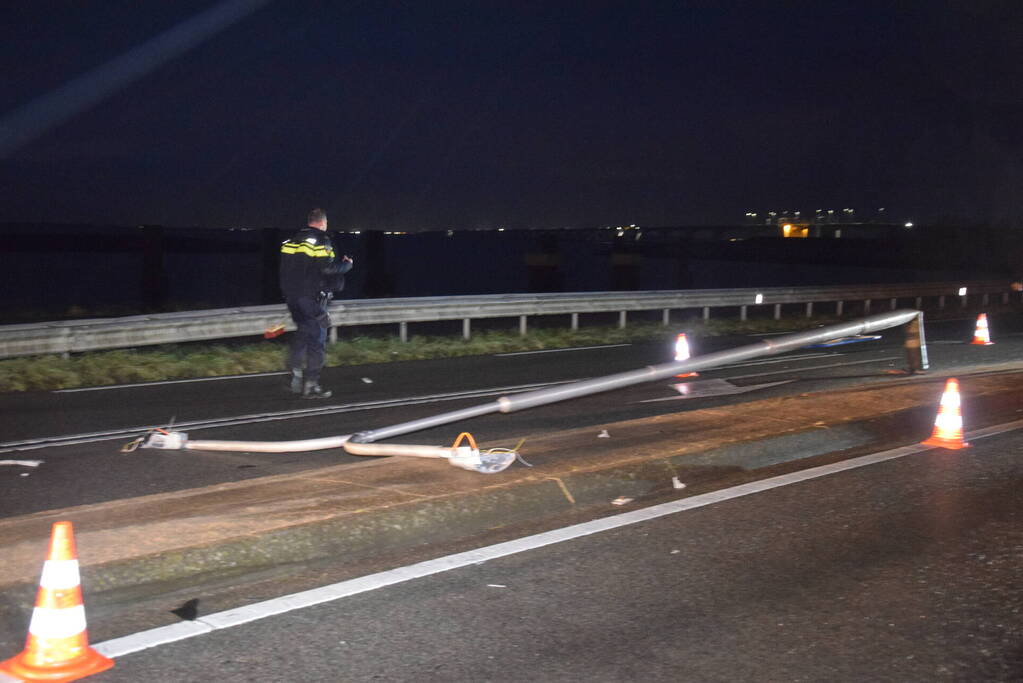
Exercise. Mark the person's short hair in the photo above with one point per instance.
(316, 216)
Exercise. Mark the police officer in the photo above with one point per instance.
(310, 274)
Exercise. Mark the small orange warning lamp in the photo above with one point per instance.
(275, 331)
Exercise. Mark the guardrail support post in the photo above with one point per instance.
(522, 326)
(666, 317)
(403, 332)
(777, 311)
(742, 312)
(706, 312)
(69, 344)
(575, 321)
(984, 299)
(892, 304)
(332, 335)
(919, 302)
(622, 315)
(962, 300)
(916, 345)
(466, 328)
(839, 305)
(1005, 298)
(809, 309)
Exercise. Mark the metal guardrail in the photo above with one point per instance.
(74, 336)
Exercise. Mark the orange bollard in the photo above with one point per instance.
(948, 426)
(982, 335)
(57, 648)
(682, 353)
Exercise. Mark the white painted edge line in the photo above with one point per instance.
(574, 348)
(135, 642)
(169, 381)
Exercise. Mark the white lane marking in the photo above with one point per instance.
(815, 367)
(74, 439)
(169, 381)
(575, 348)
(118, 647)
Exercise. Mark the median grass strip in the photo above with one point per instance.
(150, 364)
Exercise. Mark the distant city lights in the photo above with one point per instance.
(796, 219)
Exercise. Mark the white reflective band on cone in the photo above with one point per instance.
(57, 623)
(60, 574)
(949, 421)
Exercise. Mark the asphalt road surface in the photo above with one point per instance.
(78, 434)
(907, 569)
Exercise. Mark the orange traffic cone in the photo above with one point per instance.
(57, 648)
(682, 353)
(982, 335)
(948, 426)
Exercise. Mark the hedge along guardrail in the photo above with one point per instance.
(73, 336)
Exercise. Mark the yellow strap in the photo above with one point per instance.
(467, 436)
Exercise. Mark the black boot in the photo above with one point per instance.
(314, 390)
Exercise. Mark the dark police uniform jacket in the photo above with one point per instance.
(309, 266)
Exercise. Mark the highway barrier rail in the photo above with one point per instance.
(72, 336)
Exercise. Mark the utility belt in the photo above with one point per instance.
(323, 299)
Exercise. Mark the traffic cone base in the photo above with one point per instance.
(948, 426)
(88, 663)
(57, 648)
(951, 444)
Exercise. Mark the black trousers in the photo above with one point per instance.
(309, 343)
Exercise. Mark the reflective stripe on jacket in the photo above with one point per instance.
(308, 265)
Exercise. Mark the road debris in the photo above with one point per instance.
(621, 500)
(496, 585)
(367, 380)
(22, 463)
(676, 484)
(603, 434)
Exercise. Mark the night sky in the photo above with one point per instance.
(437, 114)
